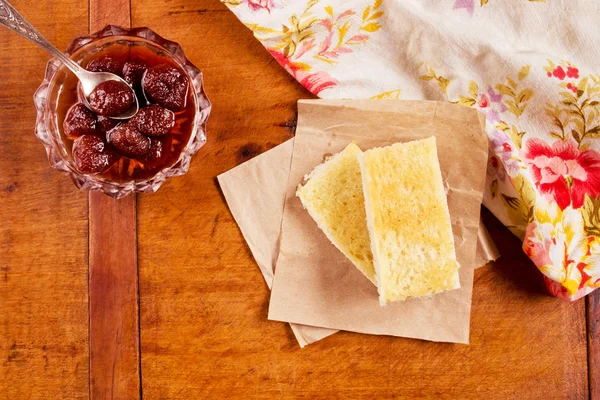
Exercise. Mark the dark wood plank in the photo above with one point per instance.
(204, 303)
(593, 332)
(113, 287)
(113, 296)
(43, 228)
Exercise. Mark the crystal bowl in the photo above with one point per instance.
(46, 102)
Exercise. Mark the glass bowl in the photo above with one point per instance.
(46, 102)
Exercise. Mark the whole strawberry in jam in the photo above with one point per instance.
(128, 141)
(105, 64)
(92, 155)
(111, 98)
(154, 120)
(133, 71)
(166, 86)
(79, 121)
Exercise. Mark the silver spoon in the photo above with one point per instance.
(10, 18)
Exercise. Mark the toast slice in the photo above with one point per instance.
(333, 196)
(408, 221)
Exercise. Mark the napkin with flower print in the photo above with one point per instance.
(527, 65)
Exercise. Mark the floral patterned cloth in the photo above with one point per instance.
(527, 65)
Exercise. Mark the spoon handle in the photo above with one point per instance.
(10, 18)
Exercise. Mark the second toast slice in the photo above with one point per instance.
(408, 220)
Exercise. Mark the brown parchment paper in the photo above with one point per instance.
(255, 193)
(314, 283)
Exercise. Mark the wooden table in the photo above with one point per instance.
(203, 331)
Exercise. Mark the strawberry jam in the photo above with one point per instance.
(142, 146)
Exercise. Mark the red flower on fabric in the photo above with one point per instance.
(484, 101)
(557, 290)
(572, 72)
(562, 172)
(572, 88)
(318, 81)
(285, 62)
(315, 82)
(559, 72)
(260, 4)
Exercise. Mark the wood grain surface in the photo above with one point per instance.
(43, 228)
(113, 277)
(203, 302)
(593, 331)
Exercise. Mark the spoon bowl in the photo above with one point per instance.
(90, 80)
